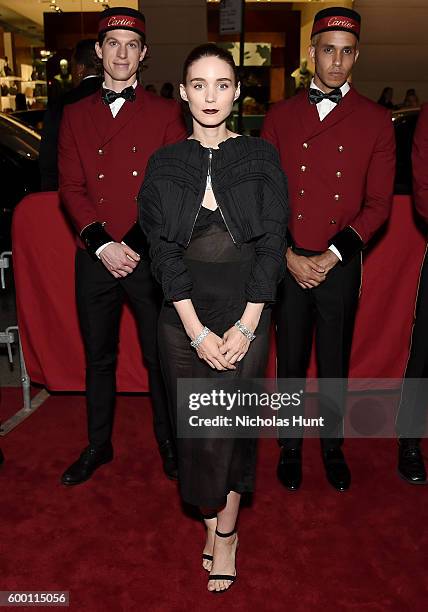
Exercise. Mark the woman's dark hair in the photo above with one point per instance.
(209, 50)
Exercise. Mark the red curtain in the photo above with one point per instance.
(43, 259)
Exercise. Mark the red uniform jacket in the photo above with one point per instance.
(420, 164)
(340, 170)
(102, 159)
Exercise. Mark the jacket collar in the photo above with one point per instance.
(311, 124)
(102, 116)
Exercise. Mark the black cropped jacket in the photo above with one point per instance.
(250, 189)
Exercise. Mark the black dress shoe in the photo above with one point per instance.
(169, 459)
(91, 459)
(289, 469)
(411, 465)
(336, 469)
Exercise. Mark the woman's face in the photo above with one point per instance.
(210, 90)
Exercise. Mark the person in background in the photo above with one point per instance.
(386, 98)
(150, 87)
(411, 416)
(341, 188)
(167, 91)
(105, 142)
(87, 79)
(411, 100)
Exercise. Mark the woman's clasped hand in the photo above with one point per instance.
(223, 353)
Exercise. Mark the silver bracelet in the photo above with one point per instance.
(197, 341)
(244, 330)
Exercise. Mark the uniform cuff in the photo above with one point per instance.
(347, 242)
(94, 236)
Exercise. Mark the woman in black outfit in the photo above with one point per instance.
(214, 210)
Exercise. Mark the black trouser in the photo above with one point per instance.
(330, 308)
(100, 297)
(412, 412)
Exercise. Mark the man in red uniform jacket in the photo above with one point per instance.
(337, 150)
(105, 142)
(411, 417)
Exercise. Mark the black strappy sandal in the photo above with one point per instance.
(228, 577)
(206, 556)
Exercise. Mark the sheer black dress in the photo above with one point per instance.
(210, 468)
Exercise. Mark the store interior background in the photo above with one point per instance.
(36, 34)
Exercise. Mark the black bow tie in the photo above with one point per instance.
(109, 96)
(316, 96)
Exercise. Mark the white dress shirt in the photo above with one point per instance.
(119, 102)
(326, 106)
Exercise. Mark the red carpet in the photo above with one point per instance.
(121, 543)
